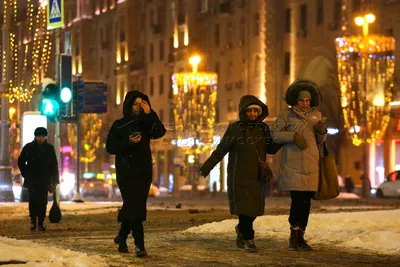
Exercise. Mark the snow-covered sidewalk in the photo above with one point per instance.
(375, 231)
(28, 253)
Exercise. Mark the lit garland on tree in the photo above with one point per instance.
(195, 96)
(91, 127)
(23, 83)
(365, 72)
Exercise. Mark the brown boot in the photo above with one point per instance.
(302, 243)
(294, 238)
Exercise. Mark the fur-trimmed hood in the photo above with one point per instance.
(130, 98)
(248, 100)
(303, 84)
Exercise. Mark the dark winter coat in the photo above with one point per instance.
(299, 169)
(38, 165)
(246, 192)
(133, 161)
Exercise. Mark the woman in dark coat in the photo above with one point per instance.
(129, 139)
(246, 191)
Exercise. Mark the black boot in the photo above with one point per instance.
(302, 243)
(41, 227)
(239, 238)
(250, 246)
(140, 251)
(32, 226)
(294, 238)
(121, 242)
(138, 235)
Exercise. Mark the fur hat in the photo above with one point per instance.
(255, 107)
(299, 85)
(40, 131)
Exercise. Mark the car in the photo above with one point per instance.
(95, 187)
(154, 191)
(390, 187)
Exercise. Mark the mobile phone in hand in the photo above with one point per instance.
(135, 134)
(324, 119)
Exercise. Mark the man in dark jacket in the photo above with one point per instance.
(39, 167)
(129, 139)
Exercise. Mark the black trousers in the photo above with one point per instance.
(137, 231)
(38, 203)
(300, 208)
(246, 226)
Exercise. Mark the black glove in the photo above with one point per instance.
(300, 141)
(203, 172)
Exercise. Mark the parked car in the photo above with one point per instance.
(95, 187)
(390, 187)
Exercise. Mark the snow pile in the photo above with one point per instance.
(35, 255)
(376, 231)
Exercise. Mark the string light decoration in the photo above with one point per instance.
(194, 96)
(365, 72)
(34, 53)
(91, 127)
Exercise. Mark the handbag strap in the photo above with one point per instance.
(254, 145)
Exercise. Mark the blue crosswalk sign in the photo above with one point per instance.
(55, 14)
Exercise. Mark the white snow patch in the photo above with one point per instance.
(43, 256)
(376, 231)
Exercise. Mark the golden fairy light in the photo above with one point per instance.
(195, 96)
(366, 77)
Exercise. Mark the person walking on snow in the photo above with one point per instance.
(129, 140)
(301, 130)
(246, 189)
(39, 167)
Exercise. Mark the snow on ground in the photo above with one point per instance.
(375, 231)
(32, 254)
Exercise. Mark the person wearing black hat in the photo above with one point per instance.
(39, 167)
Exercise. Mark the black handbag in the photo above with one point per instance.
(55, 215)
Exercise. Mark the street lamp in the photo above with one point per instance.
(364, 22)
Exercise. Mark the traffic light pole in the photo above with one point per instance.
(6, 193)
(57, 121)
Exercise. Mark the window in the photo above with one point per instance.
(337, 11)
(151, 18)
(172, 12)
(230, 106)
(303, 18)
(287, 63)
(217, 34)
(151, 52)
(217, 68)
(203, 6)
(142, 21)
(357, 6)
(171, 115)
(242, 30)
(161, 50)
(161, 84)
(320, 12)
(229, 33)
(257, 66)
(101, 66)
(151, 86)
(288, 20)
(161, 114)
(170, 90)
(256, 24)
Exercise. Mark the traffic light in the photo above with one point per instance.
(66, 78)
(49, 103)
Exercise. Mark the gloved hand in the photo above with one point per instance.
(300, 141)
(52, 188)
(320, 127)
(203, 172)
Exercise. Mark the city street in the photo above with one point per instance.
(90, 228)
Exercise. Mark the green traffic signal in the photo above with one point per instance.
(49, 107)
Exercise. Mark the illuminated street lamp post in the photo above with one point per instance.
(194, 95)
(365, 72)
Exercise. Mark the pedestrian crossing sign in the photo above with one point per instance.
(55, 14)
